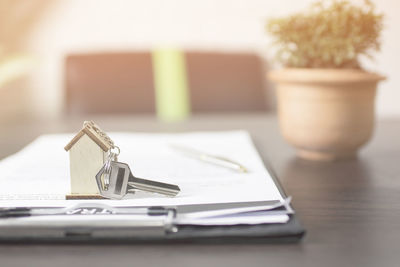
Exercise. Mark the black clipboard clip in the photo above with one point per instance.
(140, 217)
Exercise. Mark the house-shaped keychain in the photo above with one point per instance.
(88, 151)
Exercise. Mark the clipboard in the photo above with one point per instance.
(156, 228)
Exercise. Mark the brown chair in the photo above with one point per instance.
(109, 83)
(226, 82)
(123, 83)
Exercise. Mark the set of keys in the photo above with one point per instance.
(115, 180)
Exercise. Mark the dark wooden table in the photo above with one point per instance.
(351, 209)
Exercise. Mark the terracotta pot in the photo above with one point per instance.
(327, 114)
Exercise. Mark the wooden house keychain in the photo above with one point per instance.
(96, 172)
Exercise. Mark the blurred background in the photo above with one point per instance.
(58, 55)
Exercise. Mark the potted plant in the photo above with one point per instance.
(325, 99)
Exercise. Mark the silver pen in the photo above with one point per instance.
(213, 159)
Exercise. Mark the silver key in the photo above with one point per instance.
(120, 179)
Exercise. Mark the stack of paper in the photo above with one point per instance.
(39, 174)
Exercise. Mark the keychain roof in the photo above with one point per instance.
(95, 133)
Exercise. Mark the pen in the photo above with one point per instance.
(213, 159)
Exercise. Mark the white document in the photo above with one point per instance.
(39, 174)
(233, 220)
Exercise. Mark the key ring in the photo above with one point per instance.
(116, 154)
(107, 167)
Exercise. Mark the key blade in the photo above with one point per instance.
(153, 186)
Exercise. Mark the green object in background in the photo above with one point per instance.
(170, 80)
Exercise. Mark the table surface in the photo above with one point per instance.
(351, 209)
